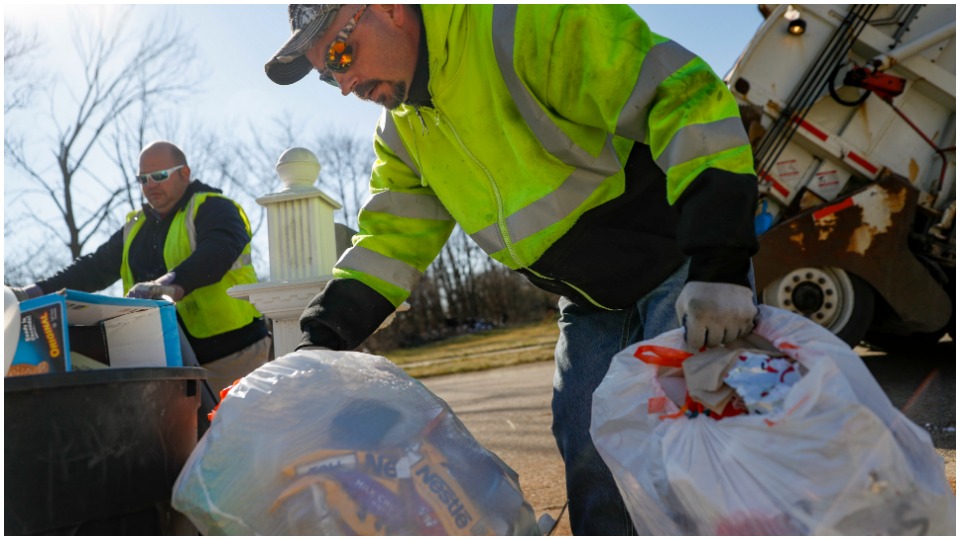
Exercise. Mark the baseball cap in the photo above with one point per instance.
(307, 21)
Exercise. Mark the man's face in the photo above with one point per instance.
(163, 196)
(382, 45)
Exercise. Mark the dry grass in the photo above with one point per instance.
(483, 350)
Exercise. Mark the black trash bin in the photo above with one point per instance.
(97, 452)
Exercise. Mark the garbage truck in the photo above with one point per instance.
(851, 114)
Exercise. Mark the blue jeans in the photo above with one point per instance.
(588, 341)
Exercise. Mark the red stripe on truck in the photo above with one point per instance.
(862, 162)
(809, 127)
(832, 209)
(773, 182)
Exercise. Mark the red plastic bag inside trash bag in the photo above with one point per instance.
(673, 358)
(223, 395)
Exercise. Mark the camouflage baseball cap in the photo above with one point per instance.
(307, 22)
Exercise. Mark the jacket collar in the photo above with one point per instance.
(419, 95)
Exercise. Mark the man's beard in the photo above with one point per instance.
(391, 100)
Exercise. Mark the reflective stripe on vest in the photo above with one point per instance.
(408, 205)
(696, 140)
(195, 309)
(589, 171)
(130, 228)
(380, 266)
(388, 132)
(661, 61)
(690, 142)
(191, 210)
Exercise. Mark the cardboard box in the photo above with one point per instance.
(115, 332)
(44, 344)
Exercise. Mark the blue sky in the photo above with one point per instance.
(234, 40)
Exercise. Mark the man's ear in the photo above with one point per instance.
(396, 13)
(186, 172)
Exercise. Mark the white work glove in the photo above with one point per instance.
(715, 313)
(157, 289)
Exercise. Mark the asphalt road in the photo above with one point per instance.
(508, 411)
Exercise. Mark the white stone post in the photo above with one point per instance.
(302, 248)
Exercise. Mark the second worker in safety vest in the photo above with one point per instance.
(190, 243)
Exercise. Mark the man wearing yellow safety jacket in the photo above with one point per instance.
(605, 162)
(189, 243)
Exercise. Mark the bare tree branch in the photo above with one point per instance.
(126, 74)
(19, 78)
(345, 170)
(43, 224)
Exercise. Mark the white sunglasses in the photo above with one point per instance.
(157, 176)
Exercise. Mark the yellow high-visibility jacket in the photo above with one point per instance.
(535, 112)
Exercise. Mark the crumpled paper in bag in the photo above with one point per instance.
(829, 454)
(343, 443)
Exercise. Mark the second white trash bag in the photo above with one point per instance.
(833, 458)
(343, 443)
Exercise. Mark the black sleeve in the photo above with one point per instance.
(716, 226)
(343, 315)
(91, 272)
(221, 237)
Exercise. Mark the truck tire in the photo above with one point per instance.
(833, 298)
(921, 342)
(924, 342)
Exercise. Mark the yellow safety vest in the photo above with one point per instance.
(516, 149)
(207, 311)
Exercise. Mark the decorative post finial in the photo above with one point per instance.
(298, 169)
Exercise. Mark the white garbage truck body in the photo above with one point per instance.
(851, 111)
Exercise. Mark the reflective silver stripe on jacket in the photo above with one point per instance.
(128, 226)
(550, 208)
(408, 205)
(244, 258)
(660, 62)
(691, 141)
(589, 171)
(380, 266)
(697, 140)
(387, 130)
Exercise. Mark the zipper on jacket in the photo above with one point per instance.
(424, 131)
(501, 218)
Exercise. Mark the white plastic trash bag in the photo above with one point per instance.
(820, 449)
(343, 443)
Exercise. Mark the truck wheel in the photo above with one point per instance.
(920, 342)
(924, 342)
(830, 297)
